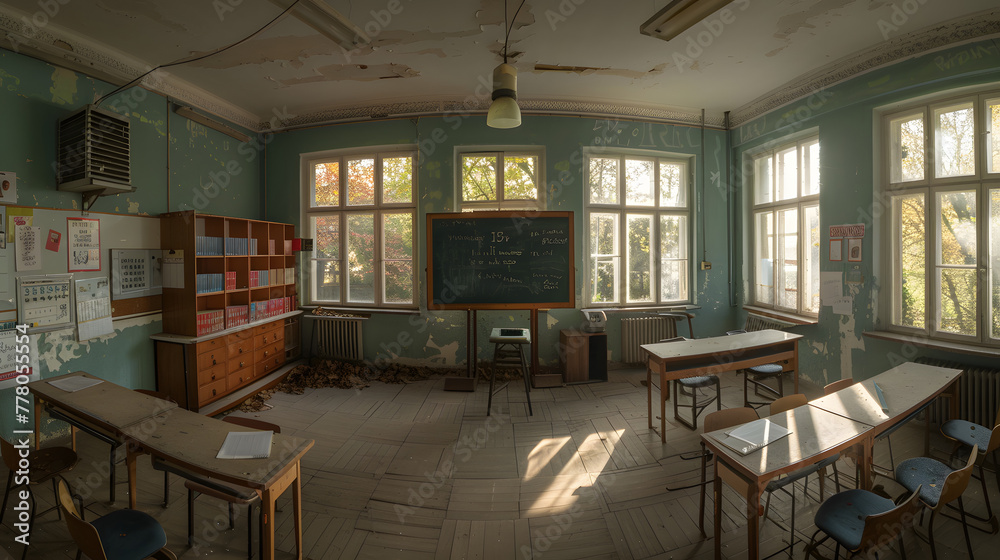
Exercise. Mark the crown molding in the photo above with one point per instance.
(929, 39)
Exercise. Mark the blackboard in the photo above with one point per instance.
(500, 260)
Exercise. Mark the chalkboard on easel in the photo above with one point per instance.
(500, 260)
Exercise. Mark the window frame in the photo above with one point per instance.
(342, 211)
(981, 182)
(502, 203)
(622, 210)
(774, 207)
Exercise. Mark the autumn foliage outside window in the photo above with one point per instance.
(361, 215)
(943, 219)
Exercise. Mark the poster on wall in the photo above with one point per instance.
(8, 187)
(93, 308)
(84, 244)
(45, 301)
(28, 248)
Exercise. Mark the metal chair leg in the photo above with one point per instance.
(701, 502)
(965, 527)
(526, 374)
(191, 497)
(493, 376)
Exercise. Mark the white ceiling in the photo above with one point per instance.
(430, 60)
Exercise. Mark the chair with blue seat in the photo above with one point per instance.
(757, 376)
(967, 435)
(689, 387)
(125, 534)
(862, 521)
(939, 485)
(718, 420)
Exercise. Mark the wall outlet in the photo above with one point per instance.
(706, 265)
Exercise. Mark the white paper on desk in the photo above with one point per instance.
(74, 384)
(831, 286)
(843, 305)
(753, 435)
(246, 445)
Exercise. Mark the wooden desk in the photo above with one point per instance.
(820, 429)
(191, 441)
(711, 356)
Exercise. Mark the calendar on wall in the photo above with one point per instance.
(45, 301)
(136, 273)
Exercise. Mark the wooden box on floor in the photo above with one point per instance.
(583, 356)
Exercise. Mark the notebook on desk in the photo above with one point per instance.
(752, 436)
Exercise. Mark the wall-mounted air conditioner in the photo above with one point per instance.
(94, 153)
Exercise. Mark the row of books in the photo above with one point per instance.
(209, 246)
(205, 246)
(237, 315)
(208, 283)
(241, 246)
(231, 280)
(270, 308)
(211, 321)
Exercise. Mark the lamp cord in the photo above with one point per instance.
(509, 27)
(198, 57)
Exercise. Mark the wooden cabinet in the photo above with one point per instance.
(583, 356)
(225, 324)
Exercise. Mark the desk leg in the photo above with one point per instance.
(267, 529)
(297, 507)
(866, 464)
(649, 395)
(795, 365)
(663, 412)
(291, 477)
(753, 520)
(131, 455)
(717, 528)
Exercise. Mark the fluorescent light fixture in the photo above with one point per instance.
(678, 16)
(191, 114)
(504, 112)
(329, 22)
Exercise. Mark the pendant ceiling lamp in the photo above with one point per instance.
(504, 112)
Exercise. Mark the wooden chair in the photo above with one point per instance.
(757, 377)
(862, 521)
(789, 402)
(719, 420)
(46, 464)
(119, 535)
(233, 495)
(967, 435)
(938, 485)
(838, 385)
(688, 387)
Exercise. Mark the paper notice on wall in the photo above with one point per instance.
(173, 269)
(843, 305)
(93, 308)
(10, 348)
(28, 248)
(18, 216)
(831, 287)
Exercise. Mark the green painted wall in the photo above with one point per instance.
(844, 115)
(34, 97)
(440, 336)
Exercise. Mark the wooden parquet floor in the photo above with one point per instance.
(412, 471)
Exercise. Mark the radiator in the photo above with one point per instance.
(338, 337)
(637, 331)
(978, 394)
(760, 323)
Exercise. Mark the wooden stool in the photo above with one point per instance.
(508, 350)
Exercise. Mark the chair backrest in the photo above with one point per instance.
(729, 417)
(674, 339)
(994, 440)
(678, 316)
(957, 481)
(84, 534)
(838, 385)
(787, 402)
(883, 528)
(253, 423)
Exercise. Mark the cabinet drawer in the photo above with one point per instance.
(269, 337)
(239, 378)
(209, 345)
(263, 353)
(241, 348)
(239, 335)
(212, 374)
(211, 391)
(261, 329)
(240, 362)
(263, 367)
(209, 360)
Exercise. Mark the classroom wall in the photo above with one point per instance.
(176, 164)
(439, 337)
(844, 114)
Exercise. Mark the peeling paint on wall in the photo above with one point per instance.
(63, 88)
(446, 355)
(354, 72)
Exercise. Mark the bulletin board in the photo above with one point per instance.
(117, 231)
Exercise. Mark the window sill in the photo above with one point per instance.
(788, 317)
(958, 347)
(658, 308)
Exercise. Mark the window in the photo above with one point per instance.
(786, 235)
(361, 215)
(506, 180)
(638, 215)
(942, 193)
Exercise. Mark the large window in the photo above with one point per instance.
(501, 180)
(941, 190)
(638, 214)
(360, 214)
(786, 234)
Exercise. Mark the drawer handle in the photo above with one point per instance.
(213, 378)
(241, 364)
(213, 392)
(241, 349)
(265, 353)
(214, 362)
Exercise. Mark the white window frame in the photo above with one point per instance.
(502, 202)
(800, 202)
(623, 210)
(378, 209)
(981, 182)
